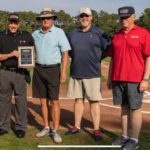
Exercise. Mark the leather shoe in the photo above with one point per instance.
(20, 133)
(2, 132)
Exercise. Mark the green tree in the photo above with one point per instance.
(144, 20)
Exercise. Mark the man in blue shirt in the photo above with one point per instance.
(88, 43)
(51, 49)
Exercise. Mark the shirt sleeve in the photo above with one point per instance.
(63, 42)
(105, 41)
(146, 45)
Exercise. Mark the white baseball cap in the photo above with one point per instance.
(85, 10)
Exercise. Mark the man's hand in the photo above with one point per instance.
(109, 84)
(63, 77)
(143, 85)
(14, 53)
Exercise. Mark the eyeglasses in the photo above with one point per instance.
(47, 18)
(84, 15)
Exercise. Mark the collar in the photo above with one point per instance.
(50, 30)
(7, 32)
(90, 29)
(134, 28)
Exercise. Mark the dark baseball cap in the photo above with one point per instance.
(126, 11)
(13, 17)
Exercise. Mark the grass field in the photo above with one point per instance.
(30, 142)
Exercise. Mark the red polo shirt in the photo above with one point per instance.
(129, 52)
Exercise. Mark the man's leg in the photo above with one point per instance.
(5, 101)
(136, 122)
(44, 108)
(78, 112)
(20, 93)
(95, 113)
(125, 119)
(55, 112)
(135, 101)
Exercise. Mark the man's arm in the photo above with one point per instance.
(109, 82)
(106, 43)
(6, 56)
(64, 66)
(145, 82)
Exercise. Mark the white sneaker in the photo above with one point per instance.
(56, 137)
(43, 132)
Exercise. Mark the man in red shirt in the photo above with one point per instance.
(129, 74)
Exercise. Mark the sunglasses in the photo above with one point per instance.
(14, 22)
(84, 15)
(47, 18)
(124, 18)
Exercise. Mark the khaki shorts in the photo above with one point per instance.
(85, 88)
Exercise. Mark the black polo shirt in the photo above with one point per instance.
(87, 48)
(10, 41)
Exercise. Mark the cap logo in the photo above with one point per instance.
(124, 11)
(13, 17)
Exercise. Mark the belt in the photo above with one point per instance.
(48, 66)
(12, 69)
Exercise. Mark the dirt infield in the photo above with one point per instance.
(110, 115)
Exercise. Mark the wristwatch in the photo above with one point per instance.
(145, 79)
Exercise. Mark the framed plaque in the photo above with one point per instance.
(26, 57)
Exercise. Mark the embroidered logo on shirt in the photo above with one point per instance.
(91, 36)
(135, 36)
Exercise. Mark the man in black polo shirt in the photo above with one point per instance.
(88, 43)
(12, 78)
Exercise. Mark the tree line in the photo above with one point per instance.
(108, 22)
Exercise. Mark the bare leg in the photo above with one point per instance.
(78, 111)
(44, 108)
(95, 113)
(125, 116)
(136, 122)
(55, 112)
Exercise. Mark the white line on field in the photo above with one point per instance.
(78, 146)
(116, 107)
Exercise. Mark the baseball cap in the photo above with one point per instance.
(46, 12)
(126, 11)
(13, 17)
(85, 10)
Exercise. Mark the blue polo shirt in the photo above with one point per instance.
(87, 48)
(50, 45)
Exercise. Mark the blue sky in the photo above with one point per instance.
(72, 6)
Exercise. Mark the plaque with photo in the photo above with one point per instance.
(26, 57)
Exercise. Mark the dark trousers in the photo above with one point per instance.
(13, 82)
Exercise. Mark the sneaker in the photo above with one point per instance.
(44, 132)
(73, 130)
(131, 145)
(120, 141)
(56, 137)
(97, 136)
